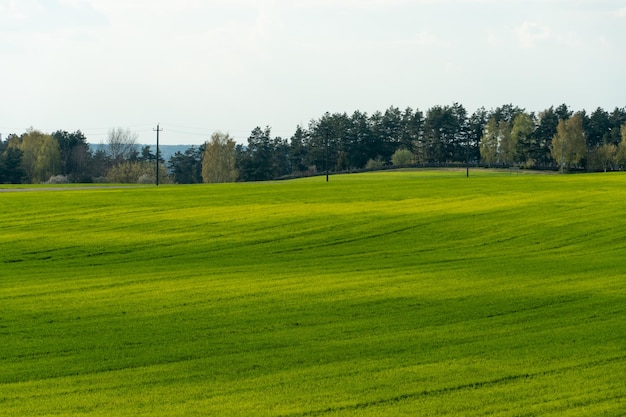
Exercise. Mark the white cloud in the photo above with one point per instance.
(14, 10)
(368, 4)
(52, 16)
(424, 39)
(427, 39)
(494, 39)
(530, 34)
(359, 4)
(238, 63)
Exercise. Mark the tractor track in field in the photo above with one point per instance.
(470, 385)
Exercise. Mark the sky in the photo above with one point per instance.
(200, 66)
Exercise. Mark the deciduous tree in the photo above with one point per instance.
(620, 157)
(568, 145)
(218, 160)
(41, 157)
(602, 157)
(522, 135)
(489, 142)
(507, 145)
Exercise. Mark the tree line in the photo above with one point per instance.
(555, 138)
(62, 157)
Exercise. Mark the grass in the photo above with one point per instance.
(397, 293)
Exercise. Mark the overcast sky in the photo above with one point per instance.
(198, 66)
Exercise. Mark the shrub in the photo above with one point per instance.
(58, 179)
(137, 172)
(146, 179)
(377, 163)
(402, 157)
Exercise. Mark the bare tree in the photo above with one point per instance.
(122, 144)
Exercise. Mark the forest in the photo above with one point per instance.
(556, 138)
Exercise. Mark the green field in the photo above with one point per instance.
(381, 294)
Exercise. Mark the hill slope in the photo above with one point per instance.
(406, 293)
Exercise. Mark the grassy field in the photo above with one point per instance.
(381, 294)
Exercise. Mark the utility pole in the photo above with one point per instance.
(326, 159)
(562, 155)
(467, 153)
(158, 129)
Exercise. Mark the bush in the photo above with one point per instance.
(146, 179)
(84, 179)
(377, 163)
(529, 164)
(58, 179)
(402, 157)
(137, 173)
